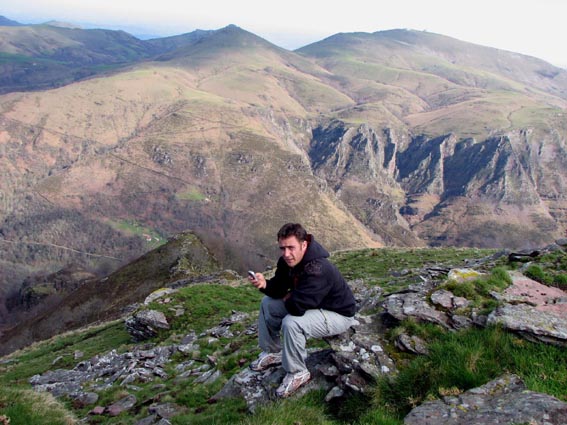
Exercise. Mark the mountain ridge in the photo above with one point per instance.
(230, 136)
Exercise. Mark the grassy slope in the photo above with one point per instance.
(458, 360)
(108, 298)
(435, 76)
(98, 144)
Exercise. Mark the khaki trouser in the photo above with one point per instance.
(318, 323)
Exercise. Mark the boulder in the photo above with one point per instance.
(144, 324)
(532, 324)
(414, 305)
(411, 344)
(448, 300)
(121, 405)
(463, 275)
(535, 311)
(502, 401)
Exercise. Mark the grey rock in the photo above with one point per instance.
(534, 325)
(367, 298)
(414, 305)
(149, 420)
(443, 298)
(85, 398)
(122, 405)
(336, 392)
(156, 295)
(188, 348)
(502, 401)
(460, 322)
(209, 377)
(411, 344)
(165, 410)
(102, 371)
(189, 338)
(145, 324)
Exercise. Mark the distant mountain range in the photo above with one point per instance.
(111, 144)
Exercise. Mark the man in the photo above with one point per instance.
(306, 298)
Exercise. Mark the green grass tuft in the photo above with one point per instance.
(460, 361)
(479, 290)
(310, 409)
(25, 407)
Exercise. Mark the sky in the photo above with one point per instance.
(532, 27)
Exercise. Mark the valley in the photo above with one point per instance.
(395, 138)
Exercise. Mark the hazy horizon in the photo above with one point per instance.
(527, 27)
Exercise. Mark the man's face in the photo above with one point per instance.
(292, 250)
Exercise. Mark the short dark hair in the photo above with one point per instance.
(292, 229)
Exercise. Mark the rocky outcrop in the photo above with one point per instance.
(403, 306)
(534, 311)
(145, 324)
(354, 360)
(421, 169)
(505, 400)
(340, 151)
(538, 326)
(143, 364)
(359, 163)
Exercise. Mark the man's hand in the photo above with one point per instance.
(259, 282)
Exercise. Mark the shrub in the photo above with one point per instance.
(560, 281)
(464, 289)
(536, 273)
(501, 277)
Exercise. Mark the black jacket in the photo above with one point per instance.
(313, 283)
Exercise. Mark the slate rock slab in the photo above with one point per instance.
(502, 401)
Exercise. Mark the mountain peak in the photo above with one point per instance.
(230, 38)
(239, 36)
(5, 22)
(60, 24)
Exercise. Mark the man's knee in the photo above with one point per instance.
(267, 305)
(292, 323)
(272, 309)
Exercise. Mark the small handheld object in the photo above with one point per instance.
(252, 274)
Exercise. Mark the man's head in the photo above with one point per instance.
(292, 239)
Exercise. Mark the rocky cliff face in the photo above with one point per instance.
(359, 164)
(497, 174)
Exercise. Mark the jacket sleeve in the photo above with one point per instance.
(279, 285)
(311, 291)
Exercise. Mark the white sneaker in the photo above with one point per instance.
(265, 360)
(292, 382)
